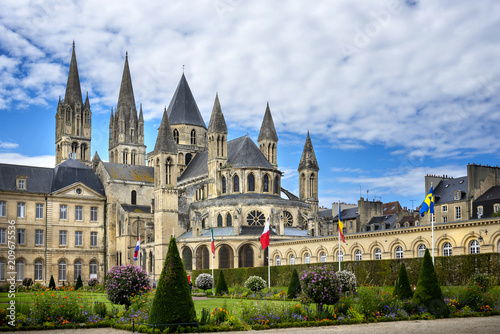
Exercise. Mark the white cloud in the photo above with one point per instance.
(20, 159)
(7, 145)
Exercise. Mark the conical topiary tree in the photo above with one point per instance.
(402, 288)
(428, 292)
(79, 283)
(221, 286)
(172, 302)
(52, 283)
(294, 288)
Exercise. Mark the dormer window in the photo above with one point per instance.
(458, 195)
(496, 208)
(21, 182)
(479, 211)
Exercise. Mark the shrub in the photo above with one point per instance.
(481, 280)
(428, 292)
(471, 296)
(321, 285)
(93, 281)
(255, 283)
(221, 287)
(204, 281)
(79, 283)
(100, 309)
(347, 279)
(402, 288)
(294, 287)
(123, 282)
(172, 302)
(52, 283)
(27, 282)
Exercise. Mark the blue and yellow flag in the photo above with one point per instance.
(428, 203)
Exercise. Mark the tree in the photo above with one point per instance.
(402, 288)
(52, 283)
(221, 286)
(204, 282)
(125, 281)
(172, 302)
(255, 283)
(79, 283)
(348, 280)
(428, 292)
(294, 286)
(321, 285)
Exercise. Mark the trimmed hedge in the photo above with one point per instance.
(450, 270)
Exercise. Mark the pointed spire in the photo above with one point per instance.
(126, 100)
(217, 121)
(308, 159)
(111, 118)
(165, 141)
(183, 108)
(267, 129)
(141, 117)
(87, 102)
(96, 158)
(73, 90)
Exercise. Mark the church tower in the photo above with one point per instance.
(308, 175)
(73, 120)
(268, 139)
(217, 147)
(126, 130)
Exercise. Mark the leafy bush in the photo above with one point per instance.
(27, 282)
(402, 288)
(255, 283)
(124, 281)
(221, 287)
(347, 279)
(79, 283)
(321, 285)
(52, 283)
(204, 281)
(428, 292)
(67, 306)
(481, 280)
(100, 309)
(294, 286)
(472, 296)
(93, 282)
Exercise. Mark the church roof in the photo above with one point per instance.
(445, 190)
(267, 129)
(73, 90)
(165, 140)
(308, 159)
(183, 108)
(126, 100)
(129, 172)
(197, 167)
(217, 121)
(72, 171)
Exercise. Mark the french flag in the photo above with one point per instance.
(264, 238)
(136, 251)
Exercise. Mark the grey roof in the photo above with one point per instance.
(72, 171)
(308, 158)
(39, 178)
(73, 90)
(183, 108)
(295, 232)
(350, 213)
(491, 194)
(325, 213)
(197, 167)
(126, 100)
(129, 172)
(445, 190)
(217, 122)
(218, 232)
(254, 230)
(136, 208)
(267, 129)
(165, 140)
(387, 219)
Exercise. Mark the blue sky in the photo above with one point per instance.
(389, 90)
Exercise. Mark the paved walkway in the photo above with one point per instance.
(479, 325)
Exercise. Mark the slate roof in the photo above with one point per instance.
(72, 171)
(295, 232)
(490, 194)
(379, 220)
(73, 90)
(308, 158)
(136, 208)
(126, 100)
(183, 108)
(217, 122)
(129, 172)
(351, 213)
(218, 232)
(165, 140)
(325, 213)
(254, 230)
(197, 167)
(267, 129)
(445, 190)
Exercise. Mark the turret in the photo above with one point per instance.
(217, 146)
(268, 139)
(308, 175)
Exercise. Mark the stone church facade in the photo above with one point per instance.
(86, 215)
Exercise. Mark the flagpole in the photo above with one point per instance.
(213, 258)
(338, 223)
(432, 226)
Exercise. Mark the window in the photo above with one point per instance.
(2, 270)
(340, 256)
(458, 212)
(276, 185)
(21, 210)
(62, 271)
(78, 238)
(63, 212)
(496, 208)
(322, 257)
(266, 184)
(78, 270)
(474, 247)
(223, 184)
(458, 195)
(176, 136)
(444, 208)
(219, 220)
(278, 260)
(39, 237)
(251, 182)
(133, 197)
(236, 184)
(287, 219)
(93, 214)
(307, 258)
(78, 213)
(2, 235)
(229, 220)
(20, 184)
(193, 137)
(292, 259)
(350, 225)
(38, 270)
(358, 256)
(479, 211)
(93, 269)
(399, 252)
(21, 236)
(445, 219)
(256, 218)
(62, 238)
(421, 250)
(378, 254)
(93, 239)
(39, 211)
(447, 249)
(19, 270)
(3, 208)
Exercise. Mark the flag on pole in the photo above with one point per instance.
(428, 203)
(341, 226)
(136, 251)
(264, 238)
(213, 241)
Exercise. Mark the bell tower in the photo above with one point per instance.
(308, 175)
(217, 147)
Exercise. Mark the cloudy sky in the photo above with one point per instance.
(389, 90)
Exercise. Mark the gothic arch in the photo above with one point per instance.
(187, 257)
(225, 256)
(246, 255)
(202, 257)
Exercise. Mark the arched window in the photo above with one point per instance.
(278, 260)
(229, 220)
(168, 171)
(323, 257)
(219, 220)
(236, 184)
(399, 252)
(187, 258)
(378, 254)
(151, 262)
(188, 158)
(292, 259)
(19, 270)
(251, 182)
(176, 136)
(266, 184)
(193, 137)
(62, 271)
(311, 185)
(474, 247)
(93, 268)
(447, 249)
(38, 270)
(276, 185)
(256, 218)
(2, 270)
(133, 196)
(307, 258)
(223, 184)
(340, 256)
(287, 219)
(83, 152)
(358, 256)
(78, 269)
(203, 223)
(421, 250)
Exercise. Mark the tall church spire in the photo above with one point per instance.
(268, 139)
(126, 100)
(308, 159)
(308, 176)
(217, 122)
(165, 141)
(183, 108)
(73, 90)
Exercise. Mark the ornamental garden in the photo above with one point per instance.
(315, 296)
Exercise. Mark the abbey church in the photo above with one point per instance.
(86, 215)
